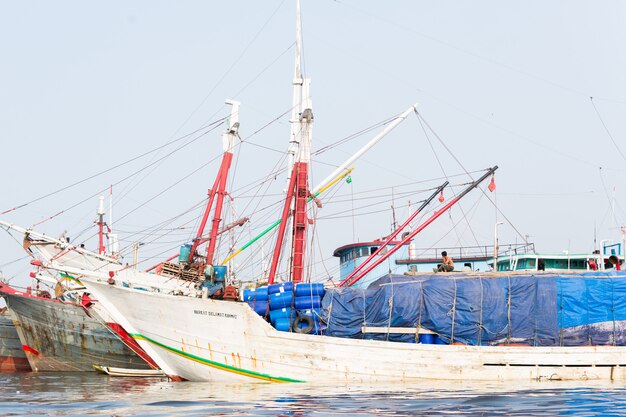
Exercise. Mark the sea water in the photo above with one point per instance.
(74, 394)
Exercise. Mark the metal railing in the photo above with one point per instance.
(463, 252)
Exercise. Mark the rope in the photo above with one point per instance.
(587, 326)
(613, 311)
(453, 312)
(607, 129)
(419, 316)
(354, 135)
(480, 320)
(461, 165)
(420, 118)
(560, 290)
(509, 310)
(330, 308)
(535, 334)
(111, 169)
(390, 303)
(235, 62)
(364, 322)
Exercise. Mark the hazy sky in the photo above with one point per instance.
(85, 86)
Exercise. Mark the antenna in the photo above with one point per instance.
(114, 244)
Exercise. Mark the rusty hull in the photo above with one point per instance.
(12, 357)
(59, 336)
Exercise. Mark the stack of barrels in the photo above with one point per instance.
(289, 308)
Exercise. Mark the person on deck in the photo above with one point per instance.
(447, 265)
(592, 265)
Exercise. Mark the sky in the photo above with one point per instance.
(131, 94)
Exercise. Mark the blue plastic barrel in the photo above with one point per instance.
(427, 339)
(282, 287)
(256, 294)
(303, 303)
(440, 341)
(281, 300)
(282, 313)
(220, 272)
(260, 307)
(183, 253)
(313, 289)
(283, 324)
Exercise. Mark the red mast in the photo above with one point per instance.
(299, 156)
(218, 189)
(297, 196)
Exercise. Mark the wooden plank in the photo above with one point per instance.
(396, 330)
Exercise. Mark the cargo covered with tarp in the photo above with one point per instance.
(534, 310)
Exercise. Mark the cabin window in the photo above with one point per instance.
(412, 268)
(359, 252)
(526, 264)
(372, 249)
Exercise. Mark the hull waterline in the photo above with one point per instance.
(212, 340)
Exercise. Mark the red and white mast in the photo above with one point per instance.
(101, 225)
(105, 230)
(299, 158)
(114, 244)
(218, 191)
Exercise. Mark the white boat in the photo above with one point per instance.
(214, 340)
(193, 337)
(128, 371)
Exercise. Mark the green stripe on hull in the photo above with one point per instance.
(213, 364)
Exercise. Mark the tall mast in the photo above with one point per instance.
(219, 187)
(298, 181)
(114, 245)
(100, 222)
(297, 95)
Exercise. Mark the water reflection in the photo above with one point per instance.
(89, 393)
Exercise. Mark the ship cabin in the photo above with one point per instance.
(605, 258)
(352, 255)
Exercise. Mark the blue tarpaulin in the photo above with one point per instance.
(534, 310)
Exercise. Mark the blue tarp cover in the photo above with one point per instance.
(535, 310)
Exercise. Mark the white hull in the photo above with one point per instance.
(128, 371)
(210, 340)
